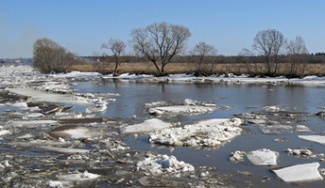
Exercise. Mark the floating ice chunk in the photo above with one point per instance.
(238, 156)
(4, 132)
(68, 131)
(263, 157)
(163, 164)
(33, 115)
(181, 109)
(299, 173)
(206, 133)
(54, 184)
(33, 122)
(147, 126)
(302, 128)
(314, 138)
(271, 108)
(304, 152)
(22, 105)
(64, 150)
(43, 96)
(78, 176)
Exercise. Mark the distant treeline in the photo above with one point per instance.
(313, 58)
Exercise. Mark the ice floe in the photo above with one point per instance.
(64, 150)
(180, 109)
(4, 132)
(67, 180)
(300, 173)
(303, 152)
(314, 138)
(78, 176)
(237, 156)
(208, 133)
(188, 106)
(263, 157)
(158, 164)
(69, 131)
(149, 125)
(32, 122)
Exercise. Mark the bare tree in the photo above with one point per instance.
(296, 51)
(49, 56)
(204, 55)
(117, 47)
(269, 43)
(160, 42)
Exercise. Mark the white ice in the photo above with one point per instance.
(4, 132)
(206, 133)
(31, 122)
(76, 74)
(181, 109)
(128, 76)
(314, 138)
(163, 164)
(68, 180)
(78, 176)
(263, 157)
(73, 132)
(300, 173)
(149, 125)
(16, 75)
(64, 150)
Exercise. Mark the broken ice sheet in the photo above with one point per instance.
(64, 150)
(70, 131)
(68, 180)
(207, 133)
(149, 125)
(188, 107)
(263, 157)
(157, 164)
(300, 173)
(314, 138)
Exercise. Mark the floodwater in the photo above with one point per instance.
(237, 99)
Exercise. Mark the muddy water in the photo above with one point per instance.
(235, 99)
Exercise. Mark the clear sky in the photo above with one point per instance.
(82, 26)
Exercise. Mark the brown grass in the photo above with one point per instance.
(173, 68)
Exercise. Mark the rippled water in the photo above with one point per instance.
(242, 99)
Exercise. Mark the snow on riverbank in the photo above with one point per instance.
(16, 74)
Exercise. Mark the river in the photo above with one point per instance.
(236, 99)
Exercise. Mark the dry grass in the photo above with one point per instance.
(173, 68)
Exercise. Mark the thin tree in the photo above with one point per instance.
(269, 42)
(203, 54)
(297, 51)
(117, 47)
(160, 42)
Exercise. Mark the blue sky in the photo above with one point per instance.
(82, 26)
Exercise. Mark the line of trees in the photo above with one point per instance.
(162, 43)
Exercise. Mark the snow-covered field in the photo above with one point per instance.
(84, 149)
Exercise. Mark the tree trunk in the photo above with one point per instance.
(158, 69)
